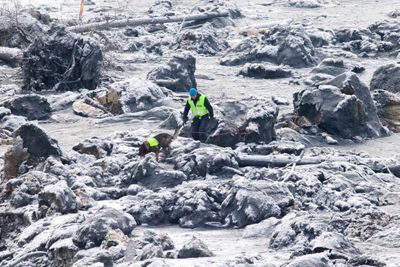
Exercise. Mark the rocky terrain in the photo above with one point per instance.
(300, 168)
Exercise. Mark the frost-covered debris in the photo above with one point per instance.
(204, 40)
(87, 199)
(280, 44)
(264, 71)
(137, 95)
(386, 77)
(388, 108)
(102, 196)
(394, 13)
(341, 106)
(177, 74)
(19, 29)
(76, 62)
(33, 107)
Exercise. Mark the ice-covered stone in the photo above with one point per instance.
(57, 197)
(263, 71)
(281, 44)
(388, 108)
(203, 40)
(63, 251)
(253, 201)
(11, 123)
(138, 95)
(251, 120)
(33, 107)
(343, 107)
(94, 146)
(386, 77)
(4, 112)
(148, 173)
(38, 144)
(95, 228)
(313, 260)
(177, 74)
(194, 248)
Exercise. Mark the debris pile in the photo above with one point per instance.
(261, 181)
(280, 44)
(75, 62)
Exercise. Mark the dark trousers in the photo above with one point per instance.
(199, 128)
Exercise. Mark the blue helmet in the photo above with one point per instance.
(193, 91)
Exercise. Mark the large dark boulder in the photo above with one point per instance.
(296, 50)
(250, 202)
(33, 107)
(62, 61)
(343, 107)
(32, 146)
(38, 144)
(330, 66)
(387, 77)
(150, 174)
(95, 228)
(263, 71)
(280, 44)
(177, 74)
(250, 120)
(194, 248)
(205, 160)
(57, 197)
(259, 124)
(94, 146)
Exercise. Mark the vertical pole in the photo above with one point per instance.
(81, 10)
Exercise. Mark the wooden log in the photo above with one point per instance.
(165, 83)
(143, 21)
(10, 55)
(275, 160)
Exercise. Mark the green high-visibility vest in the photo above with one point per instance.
(198, 110)
(152, 142)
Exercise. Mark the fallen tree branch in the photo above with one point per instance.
(287, 175)
(143, 21)
(11, 55)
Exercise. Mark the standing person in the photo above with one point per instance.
(202, 112)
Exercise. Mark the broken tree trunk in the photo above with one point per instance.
(375, 164)
(10, 55)
(143, 21)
